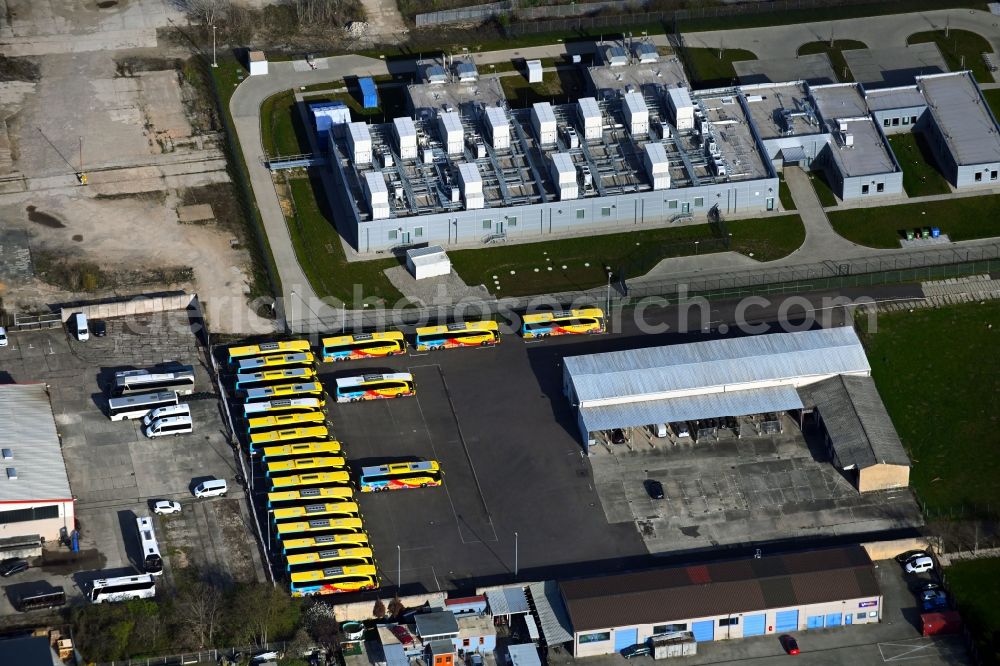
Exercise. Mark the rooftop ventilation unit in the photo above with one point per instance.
(11, 473)
(8, 454)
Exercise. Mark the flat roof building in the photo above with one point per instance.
(35, 496)
(772, 594)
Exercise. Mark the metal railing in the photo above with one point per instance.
(210, 656)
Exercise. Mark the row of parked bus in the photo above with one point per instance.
(153, 396)
(310, 498)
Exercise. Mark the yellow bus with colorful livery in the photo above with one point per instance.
(569, 322)
(463, 334)
(375, 387)
(362, 345)
(397, 476)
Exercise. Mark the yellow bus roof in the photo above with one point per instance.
(276, 421)
(306, 463)
(266, 348)
(330, 478)
(258, 438)
(486, 325)
(326, 540)
(302, 449)
(330, 573)
(329, 555)
(361, 337)
(348, 508)
(277, 360)
(320, 524)
(312, 494)
(394, 468)
(548, 316)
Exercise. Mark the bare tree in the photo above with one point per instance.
(206, 11)
(201, 610)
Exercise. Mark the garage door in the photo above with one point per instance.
(787, 621)
(753, 625)
(834, 619)
(625, 638)
(814, 622)
(703, 631)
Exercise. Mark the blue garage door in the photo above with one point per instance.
(754, 625)
(786, 621)
(703, 631)
(814, 622)
(849, 619)
(834, 619)
(625, 638)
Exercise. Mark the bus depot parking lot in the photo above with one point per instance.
(115, 472)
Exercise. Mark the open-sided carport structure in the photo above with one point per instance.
(702, 380)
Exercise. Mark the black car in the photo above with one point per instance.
(655, 489)
(98, 328)
(930, 587)
(13, 566)
(636, 651)
(910, 554)
(617, 436)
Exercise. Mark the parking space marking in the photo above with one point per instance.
(909, 648)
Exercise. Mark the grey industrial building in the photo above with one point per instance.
(644, 151)
(823, 373)
(731, 599)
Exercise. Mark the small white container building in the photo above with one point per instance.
(681, 108)
(450, 127)
(258, 63)
(359, 139)
(543, 120)
(657, 165)
(471, 183)
(535, 72)
(590, 118)
(564, 175)
(406, 137)
(377, 194)
(636, 113)
(427, 262)
(328, 114)
(498, 128)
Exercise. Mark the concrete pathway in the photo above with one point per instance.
(385, 23)
(822, 242)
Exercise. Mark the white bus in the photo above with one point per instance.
(152, 563)
(125, 588)
(137, 406)
(128, 382)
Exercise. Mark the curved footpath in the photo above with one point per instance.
(822, 244)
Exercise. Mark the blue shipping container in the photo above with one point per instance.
(368, 93)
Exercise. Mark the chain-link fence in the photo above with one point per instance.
(474, 14)
(213, 656)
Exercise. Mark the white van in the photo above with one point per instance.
(212, 488)
(3, 336)
(79, 326)
(163, 412)
(170, 425)
(660, 430)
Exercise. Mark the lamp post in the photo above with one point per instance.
(515, 554)
(607, 311)
(399, 567)
(215, 63)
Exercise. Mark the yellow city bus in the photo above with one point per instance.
(323, 525)
(362, 345)
(374, 387)
(311, 480)
(273, 361)
(279, 421)
(248, 380)
(328, 555)
(299, 465)
(313, 541)
(284, 406)
(272, 453)
(545, 324)
(268, 348)
(269, 393)
(397, 476)
(289, 436)
(463, 334)
(327, 510)
(296, 497)
(333, 580)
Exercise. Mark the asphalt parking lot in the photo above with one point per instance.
(896, 639)
(115, 472)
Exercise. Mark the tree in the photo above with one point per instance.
(207, 11)
(396, 607)
(262, 613)
(199, 608)
(379, 611)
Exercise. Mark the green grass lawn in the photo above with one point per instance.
(279, 126)
(959, 44)
(823, 189)
(835, 54)
(707, 69)
(318, 247)
(785, 194)
(560, 87)
(961, 218)
(920, 173)
(765, 238)
(976, 586)
(938, 373)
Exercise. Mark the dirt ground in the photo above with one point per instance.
(94, 91)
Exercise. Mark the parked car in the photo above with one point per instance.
(13, 566)
(790, 645)
(680, 429)
(659, 430)
(618, 436)
(641, 650)
(3, 336)
(99, 328)
(932, 600)
(903, 557)
(211, 488)
(929, 587)
(919, 564)
(402, 634)
(166, 507)
(654, 489)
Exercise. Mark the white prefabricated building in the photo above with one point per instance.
(406, 137)
(452, 134)
(258, 63)
(590, 118)
(681, 108)
(564, 174)
(657, 165)
(636, 113)
(471, 182)
(543, 120)
(535, 72)
(359, 139)
(427, 262)
(498, 127)
(377, 194)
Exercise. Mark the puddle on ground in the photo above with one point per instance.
(44, 219)
(78, 238)
(107, 4)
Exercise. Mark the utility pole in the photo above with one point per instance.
(215, 63)
(515, 554)
(607, 311)
(399, 567)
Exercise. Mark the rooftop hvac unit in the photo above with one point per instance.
(543, 120)
(452, 134)
(406, 137)
(590, 118)
(563, 173)
(849, 140)
(636, 113)
(682, 109)
(359, 139)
